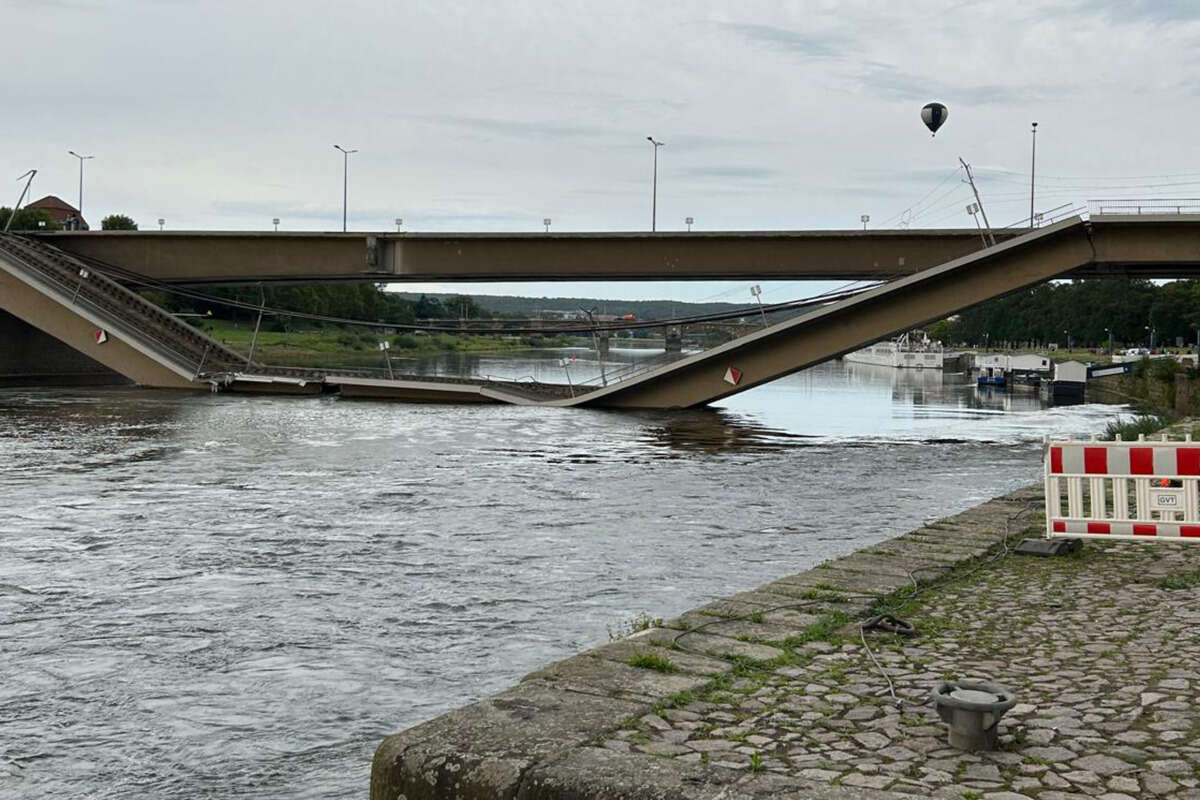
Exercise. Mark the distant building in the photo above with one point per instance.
(61, 212)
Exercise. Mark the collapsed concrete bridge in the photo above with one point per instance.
(69, 299)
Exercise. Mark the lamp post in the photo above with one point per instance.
(345, 179)
(864, 219)
(81, 160)
(688, 221)
(654, 194)
(973, 210)
(399, 222)
(1109, 332)
(161, 223)
(275, 222)
(1032, 165)
(596, 343)
(546, 222)
(756, 293)
(1152, 330)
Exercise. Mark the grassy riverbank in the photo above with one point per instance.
(336, 346)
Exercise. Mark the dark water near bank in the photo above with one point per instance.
(223, 596)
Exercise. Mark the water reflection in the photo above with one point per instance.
(909, 386)
(712, 430)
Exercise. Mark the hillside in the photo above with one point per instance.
(530, 306)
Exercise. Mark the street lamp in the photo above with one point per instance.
(161, 223)
(864, 219)
(1152, 332)
(399, 222)
(275, 222)
(1109, 332)
(1032, 164)
(345, 173)
(756, 293)
(688, 221)
(973, 210)
(81, 160)
(654, 196)
(546, 222)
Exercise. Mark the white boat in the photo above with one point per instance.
(903, 352)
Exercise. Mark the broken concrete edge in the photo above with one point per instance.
(538, 738)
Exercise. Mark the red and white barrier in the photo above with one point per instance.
(1123, 490)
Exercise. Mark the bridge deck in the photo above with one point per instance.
(244, 256)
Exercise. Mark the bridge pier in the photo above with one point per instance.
(29, 357)
(603, 341)
(673, 338)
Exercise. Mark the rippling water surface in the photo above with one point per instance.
(225, 596)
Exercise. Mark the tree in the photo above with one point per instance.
(118, 222)
(28, 219)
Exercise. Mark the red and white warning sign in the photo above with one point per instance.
(732, 376)
(101, 336)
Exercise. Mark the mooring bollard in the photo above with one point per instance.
(972, 711)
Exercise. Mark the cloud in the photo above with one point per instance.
(822, 45)
(1157, 11)
(735, 172)
(521, 129)
(890, 82)
(315, 212)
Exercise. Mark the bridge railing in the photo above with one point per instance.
(1174, 205)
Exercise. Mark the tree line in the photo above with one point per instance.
(1081, 312)
(35, 219)
(357, 301)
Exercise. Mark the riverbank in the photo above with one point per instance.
(334, 346)
(776, 692)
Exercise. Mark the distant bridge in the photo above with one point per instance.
(66, 298)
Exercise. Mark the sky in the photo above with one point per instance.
(490, 116)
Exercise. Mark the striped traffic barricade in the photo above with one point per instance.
(1123, 490)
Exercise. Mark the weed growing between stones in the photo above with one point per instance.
(627, 628)
(1181, 580)
(652, 661)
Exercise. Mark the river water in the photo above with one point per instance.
(230, 596)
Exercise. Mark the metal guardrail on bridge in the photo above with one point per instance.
(1176, 205)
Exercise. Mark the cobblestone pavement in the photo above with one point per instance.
(771, 693)
(1101, 647)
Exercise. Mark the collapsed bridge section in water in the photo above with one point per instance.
(64, 297)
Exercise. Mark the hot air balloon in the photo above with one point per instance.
(934, 116)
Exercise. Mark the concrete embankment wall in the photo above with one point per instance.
(551, 735)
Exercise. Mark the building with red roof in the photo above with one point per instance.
(61, 212)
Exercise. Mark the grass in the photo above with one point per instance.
(639, 623)
(823, 630)
(652, 661)
(1181, 580)
(344, 346)
(756, 764)
(1141, 424)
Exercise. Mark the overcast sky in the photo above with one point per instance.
(490, 116)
